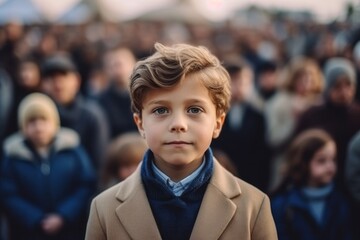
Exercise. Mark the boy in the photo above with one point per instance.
(179, 98)
(46, 180)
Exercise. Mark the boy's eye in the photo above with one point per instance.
(194, 110)
(160, 111)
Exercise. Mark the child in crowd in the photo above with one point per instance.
(180, 96)
(122, 158)
(46, 178)
(352, 177)
(307, 204)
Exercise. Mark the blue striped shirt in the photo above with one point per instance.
(177, 187)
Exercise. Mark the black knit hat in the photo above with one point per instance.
(58, 63)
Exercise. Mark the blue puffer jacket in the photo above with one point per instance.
(294, 220)
(32, 187)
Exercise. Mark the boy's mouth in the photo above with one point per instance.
(177, 143)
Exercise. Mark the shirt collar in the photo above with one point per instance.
(177, 187)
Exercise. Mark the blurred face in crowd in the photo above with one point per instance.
(29, 75)
(268, 80)
(40, 130)
(241, 85)
(304, 83)
(342, 92)
(323, 166)
(14, 31)
(125, 171)
(62, 87)
(119, 65)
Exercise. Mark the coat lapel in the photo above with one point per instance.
(217, 208)
(134, 211)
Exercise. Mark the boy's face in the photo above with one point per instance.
(62, 87)
(323, 166)
(179, 124)
(40, 131)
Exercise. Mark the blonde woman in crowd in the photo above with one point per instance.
(301, 88)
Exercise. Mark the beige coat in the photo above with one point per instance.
(231, 209)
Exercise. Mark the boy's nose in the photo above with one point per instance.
(178, 123)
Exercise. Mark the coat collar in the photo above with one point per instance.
(15, 146)
(134, 212)
(136, 216)
(218, 198)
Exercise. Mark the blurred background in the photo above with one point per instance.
(104, 38)
(276, 30)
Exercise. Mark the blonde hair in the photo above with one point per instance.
(169, 65)
(37, 105)
(300, 66)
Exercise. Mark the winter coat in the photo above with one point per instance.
(230, 209)
(342, 123)
(246, 146)
(294, 220)
(32, 187)
(88, 120)
(116, 105)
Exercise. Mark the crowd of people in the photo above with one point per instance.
(67, 130)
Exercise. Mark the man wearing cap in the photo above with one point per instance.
(61, 81)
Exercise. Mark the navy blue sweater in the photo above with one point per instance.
(175, 216)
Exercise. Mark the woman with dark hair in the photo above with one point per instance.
(307, 204)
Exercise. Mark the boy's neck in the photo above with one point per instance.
(178, 173)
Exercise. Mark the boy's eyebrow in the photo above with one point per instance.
(162, 101)
(157, 102)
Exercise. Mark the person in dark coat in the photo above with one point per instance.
(26, 81)
(61, 82)
(352, 178)
(308, 205)
(6, 102)
(115, 99)
(243, 134)
(339, 115)
(47, 180)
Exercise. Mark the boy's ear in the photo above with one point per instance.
(139, 123)
(219, 123)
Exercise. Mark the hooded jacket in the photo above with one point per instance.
(32, 186)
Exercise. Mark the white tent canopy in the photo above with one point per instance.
(75, 11)
(23, 11)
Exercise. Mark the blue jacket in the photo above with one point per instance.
(294, 220)
(32, 187)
